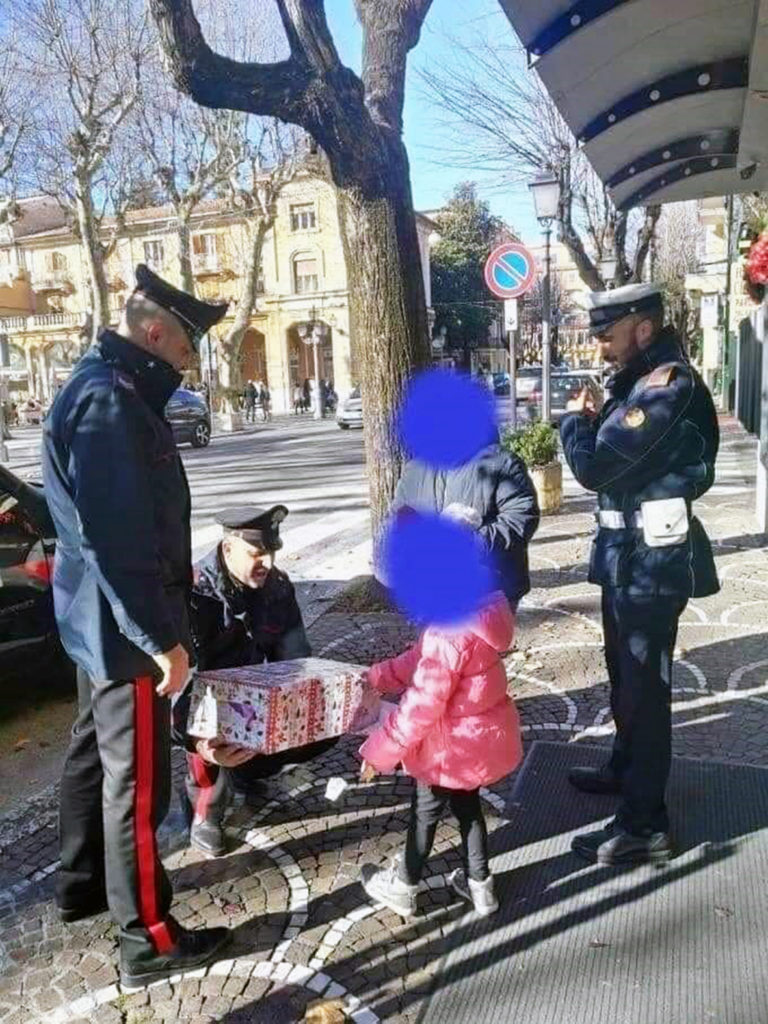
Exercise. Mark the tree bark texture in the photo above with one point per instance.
(358, 123)
(231, 342)
(94, 257)
(184, 237)
(386, 302)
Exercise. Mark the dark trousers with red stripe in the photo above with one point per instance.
(115, 791)
(210, 788)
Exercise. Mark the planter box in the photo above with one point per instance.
(282, 705)
(230, 421)
(548, 481)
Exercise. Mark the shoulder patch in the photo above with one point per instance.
(634, 418)
(662, 376)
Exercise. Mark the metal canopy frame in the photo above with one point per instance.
(688, 169)
(689, 117)
(564, 26)
(718, 143)
(725, 74)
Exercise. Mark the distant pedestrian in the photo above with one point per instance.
(251, 396)
(266, 402)
(298, 400)
(307, 392)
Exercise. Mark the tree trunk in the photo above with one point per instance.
(184, 235)
(97, 278)
(247, 300)
(388, 316)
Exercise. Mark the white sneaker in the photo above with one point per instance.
(384, 885)
(482, 895)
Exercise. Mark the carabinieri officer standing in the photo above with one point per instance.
(120, 501)
(648, 453)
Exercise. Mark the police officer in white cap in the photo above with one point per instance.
(649, 451)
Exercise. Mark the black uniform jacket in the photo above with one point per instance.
(233, 625)
(118, 495)
(656, 437)
(496, 484)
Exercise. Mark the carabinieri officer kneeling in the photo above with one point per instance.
(243, 611)
(119, 498)
(648, 452)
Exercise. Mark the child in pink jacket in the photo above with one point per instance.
(455, 730)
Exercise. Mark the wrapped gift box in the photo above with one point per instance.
(282, 705)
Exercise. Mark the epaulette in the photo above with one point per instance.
(662, 376)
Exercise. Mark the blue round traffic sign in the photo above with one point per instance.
(510, 270)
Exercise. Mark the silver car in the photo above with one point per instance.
(350, 411)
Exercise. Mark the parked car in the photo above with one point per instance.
(501, 383)
(30, 649)
(187, 412)
(564, 385)
(350, 412)
(527, 379)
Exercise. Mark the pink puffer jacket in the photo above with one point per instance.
(455, 725)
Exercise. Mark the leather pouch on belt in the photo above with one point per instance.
(665, 522)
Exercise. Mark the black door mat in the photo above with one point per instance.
(574, 943)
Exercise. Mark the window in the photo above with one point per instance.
(204, 245)
(205, 252)
(55, 261)
(154, 256)
(303, 217)
(305, 275)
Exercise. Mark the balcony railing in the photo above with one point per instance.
(208, 263)
(52, 281)
(40, 321)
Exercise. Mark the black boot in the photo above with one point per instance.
(140, 964)
(96, 904)
(595, 780)
(208, 837)
(613, 845)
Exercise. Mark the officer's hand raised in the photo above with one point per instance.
(228, 755)
(174, 665)
(585, 402)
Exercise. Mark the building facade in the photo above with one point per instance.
(302, 284)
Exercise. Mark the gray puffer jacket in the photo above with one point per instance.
(496, 484)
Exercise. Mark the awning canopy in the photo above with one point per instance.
(669, 98)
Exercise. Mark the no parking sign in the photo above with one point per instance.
(510, 270)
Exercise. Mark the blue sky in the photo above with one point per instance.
(432, 181)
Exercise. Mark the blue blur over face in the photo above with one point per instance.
(436, 569)
(446, 419)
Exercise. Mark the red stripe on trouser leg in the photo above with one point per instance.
(146, 847)
(205, 777)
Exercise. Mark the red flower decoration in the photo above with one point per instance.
(757, 261)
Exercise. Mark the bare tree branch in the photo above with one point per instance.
(494, 115)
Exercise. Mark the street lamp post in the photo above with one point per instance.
(546, 200)
(314, 333)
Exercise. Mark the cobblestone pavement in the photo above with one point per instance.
(289, 887)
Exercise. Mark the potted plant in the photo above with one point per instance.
(536, 445)
(230, 415)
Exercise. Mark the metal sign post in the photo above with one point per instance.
(513, 376)
(510, 326)
(510, 271)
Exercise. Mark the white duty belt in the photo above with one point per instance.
(613, 519)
